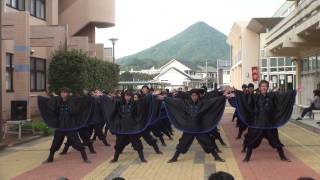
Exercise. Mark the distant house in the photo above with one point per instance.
(179, 74)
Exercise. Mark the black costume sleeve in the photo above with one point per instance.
(157, 110)
(48, 110)
(213, 94)
(283, 105)
(77, 116)
(128, 123)
(96, 114)
(280, 110)
(206, 120)
(244, 107)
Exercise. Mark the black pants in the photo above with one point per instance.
(186, 141)
(123, 140)
(242, 127)
(234, 115)
(309, 109)
(72, 137)
(84, 135)
(98, 131)
(254, 138)
(146, 135)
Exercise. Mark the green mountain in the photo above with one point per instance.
(195, 45)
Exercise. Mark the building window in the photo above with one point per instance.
(16, 4)
(281, 62)
(38, 8)
(37, 74)
(264, 69)
(273, 69)
(9, 72)
(273, 62)
(305, 65)
(289, 62)
(264, 63)
(312, 63)
(318, 61)
(288, 68)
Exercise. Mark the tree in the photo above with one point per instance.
(102, 75)
(77, 71)
(127, 76)
(68, 68)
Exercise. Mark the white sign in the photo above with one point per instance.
(289, 79)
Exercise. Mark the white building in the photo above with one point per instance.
(178, 74)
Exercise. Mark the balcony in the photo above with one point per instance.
(298, 33)
(79, 14)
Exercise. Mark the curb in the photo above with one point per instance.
(24, 141)
(306, 126)
(3, 146)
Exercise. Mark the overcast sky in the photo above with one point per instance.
(144, 23)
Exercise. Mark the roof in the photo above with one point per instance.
(203, 69)
(171, 61)
(183, 73)
(260, 25)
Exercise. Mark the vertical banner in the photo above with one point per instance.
(255, 74)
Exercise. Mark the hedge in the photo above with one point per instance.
(77, 71)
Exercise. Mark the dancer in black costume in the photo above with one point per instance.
(127, 119)
(196, 118)
(66, 115)
(264, 113)
(97, 119)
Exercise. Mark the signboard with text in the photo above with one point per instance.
(255, 74)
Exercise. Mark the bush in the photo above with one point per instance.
(39, 126)
(102, 75)
(77, 71)
(128, 76)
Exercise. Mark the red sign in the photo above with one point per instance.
(255, 74)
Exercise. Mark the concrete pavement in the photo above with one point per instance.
(302, 147)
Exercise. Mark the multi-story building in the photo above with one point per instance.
(33, 29)
(223, 72)
(248, 51)
(298, 36)
(244, 45)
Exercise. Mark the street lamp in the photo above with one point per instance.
(113, 41)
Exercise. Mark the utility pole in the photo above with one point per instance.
(113, 41)
(207, 73)
(1, 60)
(218, 77)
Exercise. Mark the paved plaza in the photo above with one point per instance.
(24, 162)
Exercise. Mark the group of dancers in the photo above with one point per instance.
(149, 115)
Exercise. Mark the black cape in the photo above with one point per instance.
(131, 119)
(75, 118)
(96, 115)
(213, 94)
(205, 120)
(265, 112)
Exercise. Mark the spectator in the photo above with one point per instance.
(315, 104)
(118, 178)
(305, 178)
(62, 178)
(244, 88)
(221, 176)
